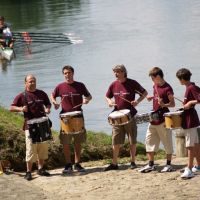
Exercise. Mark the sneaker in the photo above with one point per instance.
(28, 176)
(133, 165)
(147, 168)
(111, 167)
(79, 168)
(68, 168)
(42, 172)
(187, 173)
(194, 169)
(167, 168)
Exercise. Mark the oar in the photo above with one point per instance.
(124, 99)
(78, 105)
(40, 33)
(141, 94)
(47, 41)
(158, 95)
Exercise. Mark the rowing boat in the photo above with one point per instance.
(6, 53)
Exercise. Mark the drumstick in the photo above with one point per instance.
(125, 99)
(61, 100)
(78, 105)
(141, 94)
(177, 108)
(114, 104)
(158, 95)
(177, 99)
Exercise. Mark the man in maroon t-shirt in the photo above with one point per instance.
(126, 89)
(190, 121)
(71, 93)
(156, 132)
(19, 105)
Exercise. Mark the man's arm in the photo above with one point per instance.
(135, 103)
(47, 110)
(170, 104)
(87, 99)
(18, 109)
(56, 105)
(110, 102)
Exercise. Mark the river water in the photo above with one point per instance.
(139, 34)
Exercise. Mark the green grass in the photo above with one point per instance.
(96, 151)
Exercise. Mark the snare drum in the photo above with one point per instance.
(39, 130)
(72, 122)
(173, 120)
(120, 117)
(146, 117)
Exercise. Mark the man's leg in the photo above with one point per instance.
(40, 163)
(29, 166)
(77, 152)
(115, 153)
(190, 157)
(132, 152)
(67, 153)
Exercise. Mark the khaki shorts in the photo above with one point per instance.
(191, 137)
(34, 151)
(119, 132)
(157, 133)
(78, 138)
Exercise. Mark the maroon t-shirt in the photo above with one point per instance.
(125, 90)
(164, 91)
(39, 96)
(73, 95)
(190, 117)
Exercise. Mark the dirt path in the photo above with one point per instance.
(96, 184)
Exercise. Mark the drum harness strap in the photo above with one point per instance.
(44, 114)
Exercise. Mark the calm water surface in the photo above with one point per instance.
(139, 34)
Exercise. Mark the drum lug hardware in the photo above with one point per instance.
(46, 134)
(66, 121)
(40, 139)
(33, 130)
(29, 136)
(73, 130)
(116, 121)
(38, 125)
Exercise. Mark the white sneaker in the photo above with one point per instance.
(187, 173)
(167, 168)
(147, 168)
(194, 169)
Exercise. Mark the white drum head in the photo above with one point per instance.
(119, 113)
(173, 113)
(37, 120)
(66, 114)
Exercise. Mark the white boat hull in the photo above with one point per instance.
(6, 53)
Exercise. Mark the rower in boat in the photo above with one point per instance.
(7, 32)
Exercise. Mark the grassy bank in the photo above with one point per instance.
(97, 149)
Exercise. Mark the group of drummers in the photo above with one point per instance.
(6, 38)
(123, 119)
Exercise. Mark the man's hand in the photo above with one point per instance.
(47, 111)
(150, 98)
(134, 103)
(187, 106)
(56, 106)
(161, 103)
(85, 101)
(24, 109)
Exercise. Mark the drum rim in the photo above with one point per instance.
(123, 115)
(76, 113)
(122, 123)
(177, 113)
(74, 133)
(43, 119)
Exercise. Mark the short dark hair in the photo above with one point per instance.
(1, 18)
(68, 67)
(156, 71)
(183, 73)
(1, 30)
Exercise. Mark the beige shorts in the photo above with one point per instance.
(78, 138)
(119, 132)
(157, 133)
(34, 151)
(191, 136)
